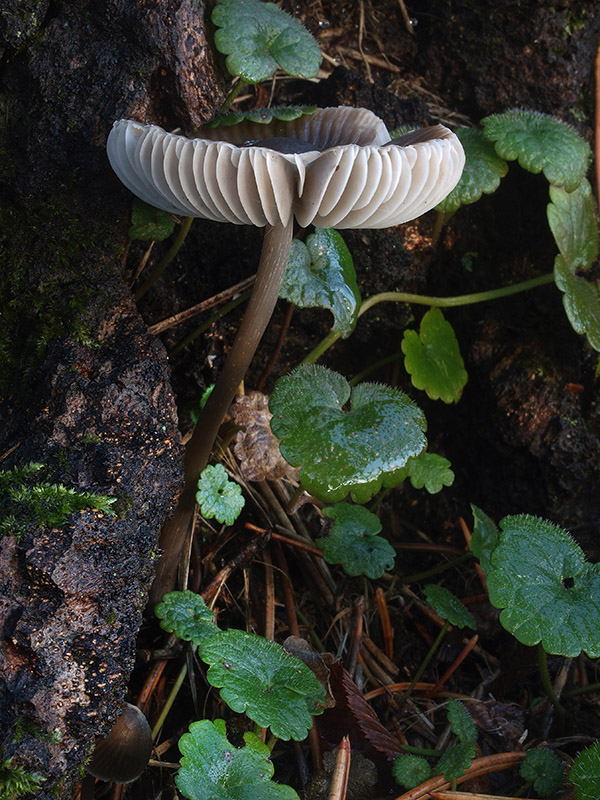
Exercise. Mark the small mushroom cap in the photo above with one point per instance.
(354, 177)
(124, 754)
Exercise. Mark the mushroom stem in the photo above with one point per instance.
(271, 270)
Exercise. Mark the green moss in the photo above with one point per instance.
(39, 250)
(25, 500)
(16, 782)
(27, 727)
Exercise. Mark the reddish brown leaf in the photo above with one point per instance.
(352, 715)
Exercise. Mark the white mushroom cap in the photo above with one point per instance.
(353, 178)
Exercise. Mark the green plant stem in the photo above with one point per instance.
(425, 662)
(421, 576)
(169, 701)
(233, 93)
(375, 366)
(442, 218)
(271, 270)
(316, 641)
(425, 300)
(547, 684)
(166, 259)
(591, 687)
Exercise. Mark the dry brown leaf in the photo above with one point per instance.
(256, 448)
(319, 663)
(354, 715)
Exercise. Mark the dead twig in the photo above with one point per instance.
(408, 23)
(386, 625)
(479, 766)
(341, 771)
(205, 305)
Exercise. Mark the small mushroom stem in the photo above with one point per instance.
(269, 277)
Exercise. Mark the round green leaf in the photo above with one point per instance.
(542, 768)
(482, 173)
(187, 616)
(410, 771)
(257, 677)
(548, 591)
(541, 143)
(212, 769)
(321, 274)
(341, 452)
(448, 606)
(354, 543)
(431, 471)
(433, 360)
(148, 222)
(585, 774)
(217, 496)
(258, 37)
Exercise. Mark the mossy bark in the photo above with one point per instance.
(85, 389)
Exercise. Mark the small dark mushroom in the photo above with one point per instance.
(123, 755)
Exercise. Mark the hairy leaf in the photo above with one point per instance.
(257, 677)
(456, 760)
(433, 360)
(340, 452)
(258, 37)
(585, 773)
(321, 274)
(548, 591)
(410, 771)
(212, 769)
(482, 173)
(187, 616)
(544, 770)
(217, 496)
(353, 541)
(540, 143)
(484, 538)
(461, 722)
(448, 606)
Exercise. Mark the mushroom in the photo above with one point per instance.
(123, 755)
(336, 167)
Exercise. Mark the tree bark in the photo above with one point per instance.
(85, 389)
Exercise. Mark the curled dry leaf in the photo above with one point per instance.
(256, 448)
(319, 663)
